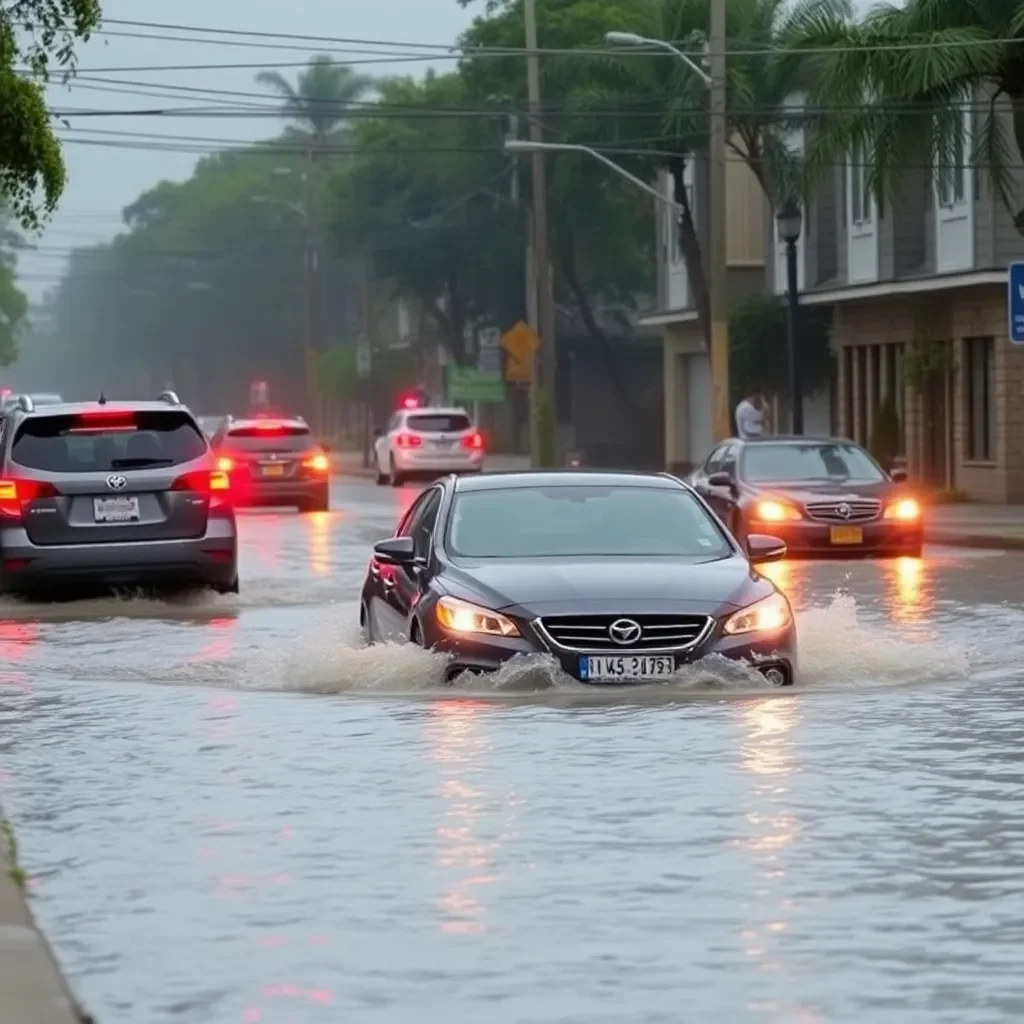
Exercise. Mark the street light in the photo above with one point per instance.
(718, 265)
(632, 39)
(525, 146)
(790, 221)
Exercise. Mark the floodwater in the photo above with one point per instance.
(233, 812)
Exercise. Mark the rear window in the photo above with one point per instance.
(439, 423)
(77, 444)
(289, 438)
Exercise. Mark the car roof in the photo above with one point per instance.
(79, 408)
(523, 479)
(435, 410)
(265, 421)
(793, 439)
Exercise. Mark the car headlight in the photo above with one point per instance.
(906, 510)
(771, 511)
(462, 617)
(769, 615)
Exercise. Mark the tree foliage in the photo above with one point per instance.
(40, 36)
(897, 82)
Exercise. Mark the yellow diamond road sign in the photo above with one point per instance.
(520, 342)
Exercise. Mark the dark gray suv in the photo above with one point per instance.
(112, 494)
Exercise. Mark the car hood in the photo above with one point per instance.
(612, 586)
(805, 490)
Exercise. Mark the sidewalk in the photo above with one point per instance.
(31, 988)
(998, 527)
(351, 464)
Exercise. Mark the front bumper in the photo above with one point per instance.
(481, 654)
(876, 539)
(207, 561)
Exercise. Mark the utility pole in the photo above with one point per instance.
(718, 271)
(312, 288)
(543, 418)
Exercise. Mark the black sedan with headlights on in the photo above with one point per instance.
(620, 577)
(825, 497)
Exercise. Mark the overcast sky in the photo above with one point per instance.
(104, 179)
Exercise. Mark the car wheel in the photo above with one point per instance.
(396, 478)
(227, 588)
(416, 634)
(382, 477)
(364, 624)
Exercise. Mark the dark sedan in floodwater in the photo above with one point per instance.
(822, 496)
(621, 578)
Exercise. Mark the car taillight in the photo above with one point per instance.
(225, 465)
(15, 494)
(204, 481)
(474, 442)
(408, 441)
(319, 463)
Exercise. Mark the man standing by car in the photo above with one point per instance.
(750, 415)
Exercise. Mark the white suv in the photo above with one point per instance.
(427, 442)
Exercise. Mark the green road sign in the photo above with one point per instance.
(468, 385)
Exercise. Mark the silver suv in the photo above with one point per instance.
(112, 494)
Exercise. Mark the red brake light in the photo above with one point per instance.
(15, 494)
(474, 442)
(101, 419)
(270, 427)
(202, 480)
(408, 441)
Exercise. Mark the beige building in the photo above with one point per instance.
(919, 299)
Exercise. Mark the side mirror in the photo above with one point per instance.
(395, 551)
(761, 548)
(898, 476)
(720, 480)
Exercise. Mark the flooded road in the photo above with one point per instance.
(232, 812)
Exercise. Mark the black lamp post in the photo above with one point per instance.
(790, 221)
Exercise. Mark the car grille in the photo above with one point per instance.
(657, 632)
(861, 510)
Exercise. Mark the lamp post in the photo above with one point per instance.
(790, 221)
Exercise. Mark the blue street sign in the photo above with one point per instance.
(1015, 302)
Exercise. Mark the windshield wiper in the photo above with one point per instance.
(139, 463)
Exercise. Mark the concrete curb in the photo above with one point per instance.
(987, 541)
(32, 990)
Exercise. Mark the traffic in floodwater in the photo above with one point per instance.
(217, 830)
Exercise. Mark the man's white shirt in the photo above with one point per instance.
(749, 419)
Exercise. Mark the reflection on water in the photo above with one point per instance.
(458, 746)
(908, 592)
(789, 577)
(318, 532)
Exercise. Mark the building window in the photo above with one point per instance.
(860, 194)
(953, 175)
(979, 407)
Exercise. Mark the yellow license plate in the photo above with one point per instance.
(847, 535)
(273, 470)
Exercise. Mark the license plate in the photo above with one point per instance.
(443, 444)
(116, 510)
(625, 668)
(273, 470)
(847, 535)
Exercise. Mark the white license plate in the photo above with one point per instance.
(116, 510)
(273, 469)
(626, 668)
(442, 444)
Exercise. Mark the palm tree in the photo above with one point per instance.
(767, 67)
(320, 100)
(894, 87)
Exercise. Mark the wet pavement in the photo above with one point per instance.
(232, 812)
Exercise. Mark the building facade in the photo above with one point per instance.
(918, 290)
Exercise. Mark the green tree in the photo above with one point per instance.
(321, 99)
(39, 35)
(426, 197)
(896, 84)
(13, 304)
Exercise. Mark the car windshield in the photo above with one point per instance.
(438, 423)
(575, 520)
(270, 439)
(775, 463)
(84, 444)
